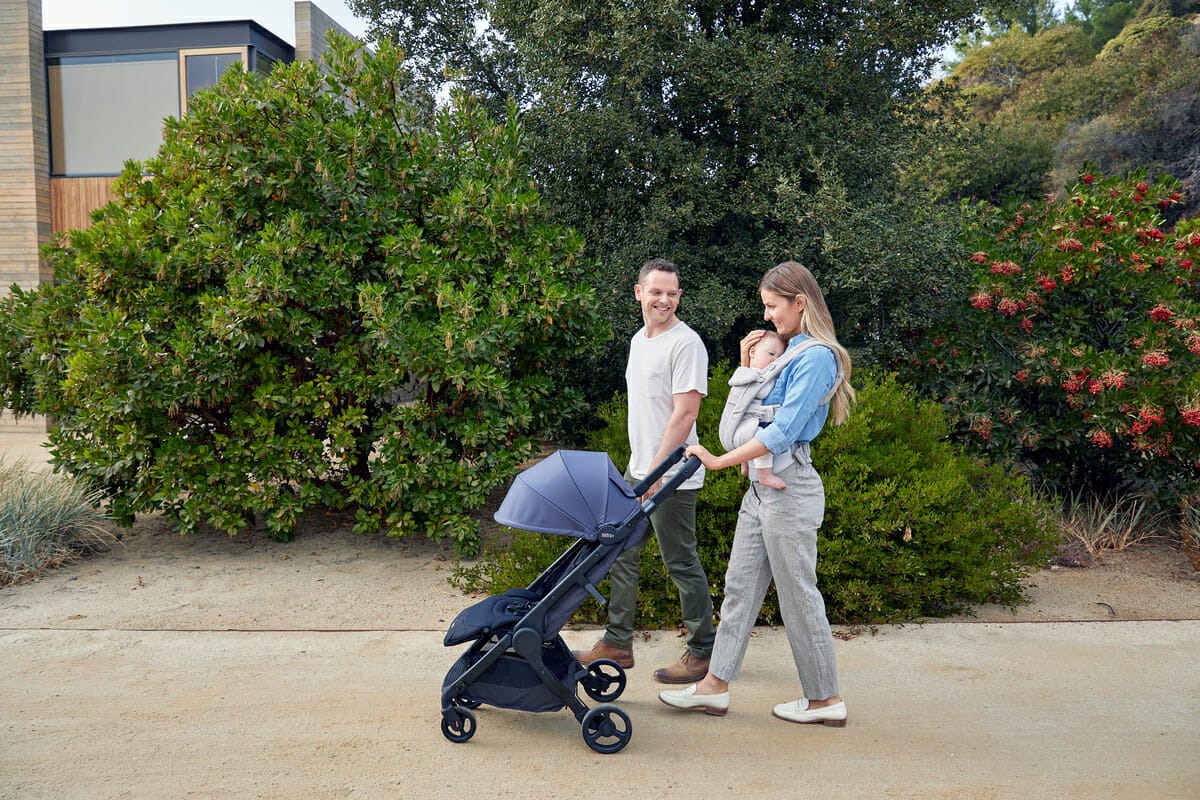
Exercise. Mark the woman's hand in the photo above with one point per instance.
(701, 452)
(748, 341)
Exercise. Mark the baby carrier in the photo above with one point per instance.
(744, 412)
(517, 659)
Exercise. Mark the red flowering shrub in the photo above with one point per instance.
(1077, 350)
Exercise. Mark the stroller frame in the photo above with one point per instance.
(510, 640)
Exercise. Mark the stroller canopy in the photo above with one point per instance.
(569, 493)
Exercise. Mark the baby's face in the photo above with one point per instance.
(767, 350)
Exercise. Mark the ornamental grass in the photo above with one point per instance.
(45, 521)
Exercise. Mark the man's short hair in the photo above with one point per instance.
(657, 264)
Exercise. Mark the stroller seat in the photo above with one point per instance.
(493, 614)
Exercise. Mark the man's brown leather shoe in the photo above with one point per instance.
(688, 669)
(624, 658)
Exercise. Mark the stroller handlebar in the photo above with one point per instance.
(661, 469)
(686, 471)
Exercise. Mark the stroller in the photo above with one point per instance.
(517, 659)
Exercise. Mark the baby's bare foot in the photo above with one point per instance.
(770, 479)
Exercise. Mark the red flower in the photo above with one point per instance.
(1148, 235)
(1152, 415)
(1047, 283)
(1114, 379)
(979, 257)
(1156, 358)
(1069, 244)
(1101, 438)
(1075, 382)
(1027, 325)
(1088, 178)
(1007, 307)
(1095, 387)
(981, 300)
(1160, 313)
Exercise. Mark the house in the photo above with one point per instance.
(78, 103)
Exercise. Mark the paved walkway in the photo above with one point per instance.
(953, 711)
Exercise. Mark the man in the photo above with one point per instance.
(666, 377)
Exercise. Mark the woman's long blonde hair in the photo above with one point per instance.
(791, 279)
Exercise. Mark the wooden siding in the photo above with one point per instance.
(24, 145)
(24, 162)
(72, 200)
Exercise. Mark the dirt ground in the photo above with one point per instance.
(211, 666)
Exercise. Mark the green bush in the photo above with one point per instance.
(913, 527)
(319, 293)
(1077, 349)
(45, 520)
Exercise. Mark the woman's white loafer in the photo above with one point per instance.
(798, 711)
(688, 700)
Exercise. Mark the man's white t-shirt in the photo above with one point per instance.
(671, 363)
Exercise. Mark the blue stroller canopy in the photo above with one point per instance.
(569, 493)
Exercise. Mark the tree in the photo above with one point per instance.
(707, 132)
(318, 293)
(1101, 19)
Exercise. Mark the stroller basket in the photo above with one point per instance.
(510, 681)
(517, 658)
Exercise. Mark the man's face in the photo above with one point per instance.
(659, 295)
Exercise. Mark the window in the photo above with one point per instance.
(200, 69)
(106, 109)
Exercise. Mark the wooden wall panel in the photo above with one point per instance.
(73, 199)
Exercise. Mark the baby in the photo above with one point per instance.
(762, 353)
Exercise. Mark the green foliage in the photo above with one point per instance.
(1046, 106)
(990, 161)
(708, 133)
(913, 527)
(45, 520)
(1077, 348)
(318, 293)
(1101, 20)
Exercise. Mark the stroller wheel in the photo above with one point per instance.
(605, 680)
(458, 724)
(606, 729)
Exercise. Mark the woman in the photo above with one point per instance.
(776, 536)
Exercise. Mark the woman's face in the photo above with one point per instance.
(783, 312)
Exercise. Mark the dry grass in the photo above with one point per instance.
(1189, 531)
(45, 520)
(1100, 525)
